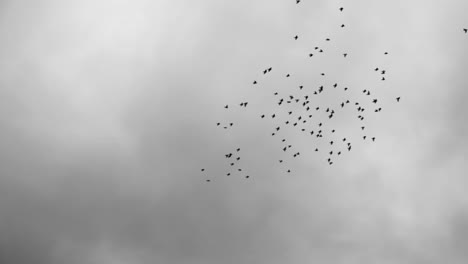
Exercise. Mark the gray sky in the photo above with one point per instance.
(108, 112)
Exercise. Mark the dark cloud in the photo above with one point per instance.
(108, 113)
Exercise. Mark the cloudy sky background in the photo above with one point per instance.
(108, 112)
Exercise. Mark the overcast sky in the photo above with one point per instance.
(108, 111)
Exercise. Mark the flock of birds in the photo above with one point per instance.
(306, 118)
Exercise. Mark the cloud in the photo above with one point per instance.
(108, 113)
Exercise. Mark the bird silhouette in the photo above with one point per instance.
(398, 99)
(466, 30)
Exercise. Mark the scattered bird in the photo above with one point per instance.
(299, 106)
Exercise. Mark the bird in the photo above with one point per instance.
(398, 99)
(385, 53)
(298, 1)
(345, 54)
(287, 75)
(280, 161)
(238, 149)
(273, 116)
(247, 176)
(226, 106)
(342, 25)
(373, 139)
(217, 124)
(341, 9)
(466, 30)
(310, 54)
(202, 169)
(254, 82)
(296, 37)
(262, 116)
(208, 180)
(269, 69)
